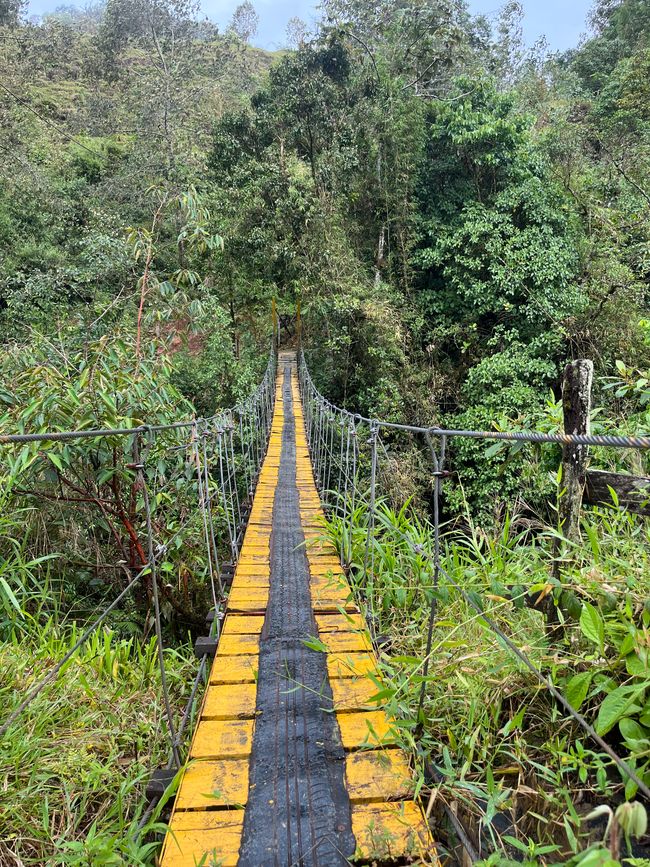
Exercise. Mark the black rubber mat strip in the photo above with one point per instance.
(298, 810)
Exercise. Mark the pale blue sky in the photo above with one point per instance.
(561, 21)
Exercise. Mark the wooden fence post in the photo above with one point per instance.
(576, 407)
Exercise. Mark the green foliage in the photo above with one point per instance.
(505, 390)
(11, 11)
(453, 239)
(486, 723)
(498, 240)
(72, 770)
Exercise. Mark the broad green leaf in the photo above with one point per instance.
(631, 730)
(618, 704)
(578, 687)
(592, 625)
(56, 460)
(8, 592)
(637, 663)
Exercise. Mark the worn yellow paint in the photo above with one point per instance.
(242, 624)
(348, 642)
(365, 730)
(378, 775)
(234, 669)
(352, 622)
(253, 568)
(222, 739)
(391, 831)
(252, 599)
(230, 701)
(386, 822)
(238, 645)
(323, 601)
(350, 664)
(354, 693)
(260, 580)
(208, 785)
(198, 833)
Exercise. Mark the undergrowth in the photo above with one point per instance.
(74, 765)
(525, 778)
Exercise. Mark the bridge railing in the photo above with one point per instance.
(349, 452)
(152, 490)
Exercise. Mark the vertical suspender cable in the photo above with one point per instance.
(339, 483)
(208, 511)
(373, 482)
(202, 507)
(438, 469)
(140, 467)
(231, 531)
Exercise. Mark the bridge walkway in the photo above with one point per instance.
(292, 763)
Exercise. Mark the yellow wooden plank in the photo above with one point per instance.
(260, 580)
(256, 537)
(354, 693)
(242, 624)
(326, 569)
(378, 775)
(230, 701)
(261, 515)
(352, 622)
(204, 820)
(365, 730)
(334, 583)
(222, 739)
(242, 591)
(350, 664)
(253, 550)
(248, 601)
(215, 845)
(348, 642)
(248, 568)
(323, 601)
(234, 669)
(207, 785)
(238, 645)
(391, 832)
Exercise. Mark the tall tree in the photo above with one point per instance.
(297, 31)
(11, 12)
(244, 22)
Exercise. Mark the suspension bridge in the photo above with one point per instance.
(293, 759)
(292, 762)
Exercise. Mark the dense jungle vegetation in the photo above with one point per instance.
(459, 215)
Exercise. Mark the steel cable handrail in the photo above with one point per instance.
(259, 404)
(322, 417)
(607, 440)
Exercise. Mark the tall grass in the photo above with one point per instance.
(73, 766)
(519, 771)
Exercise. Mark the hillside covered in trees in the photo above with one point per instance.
(459, 215)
